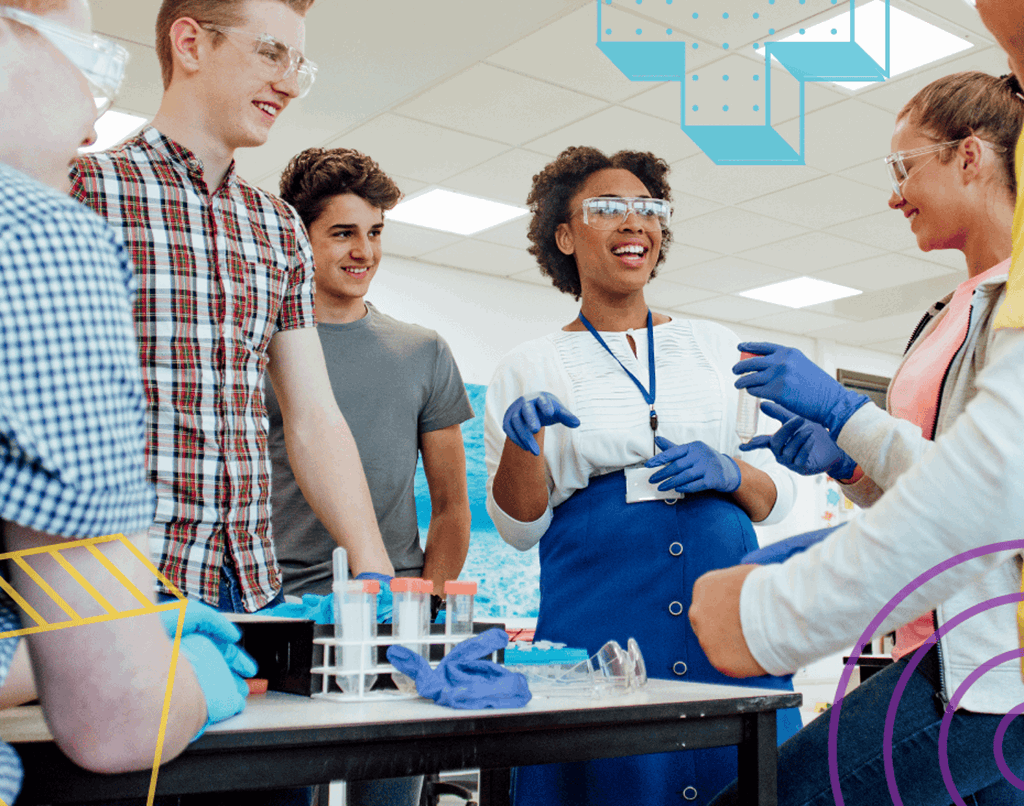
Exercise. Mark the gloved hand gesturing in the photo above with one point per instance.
(524, 418)
(693, 468)
(802, 446)
(788, 377)
(209, 642)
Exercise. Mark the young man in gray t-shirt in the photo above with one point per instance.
(396, 384)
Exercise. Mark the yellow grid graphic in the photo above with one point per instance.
(146, 606)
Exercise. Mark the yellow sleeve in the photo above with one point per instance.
(1011, 312)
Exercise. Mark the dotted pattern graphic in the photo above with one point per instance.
(728, 111)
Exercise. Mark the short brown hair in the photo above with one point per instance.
(959, 105)
(316, 175)
(220, 12)
(560, 180)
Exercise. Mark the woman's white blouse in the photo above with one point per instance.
(696, 400)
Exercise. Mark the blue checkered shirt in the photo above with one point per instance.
(71, 410)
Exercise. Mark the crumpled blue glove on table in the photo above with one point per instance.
(784, 549)
(209, 642)
(524, 418)
(789, 378)
(804, 447)
(693, 468)
(462, 680)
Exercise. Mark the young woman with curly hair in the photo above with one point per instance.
(622, 391)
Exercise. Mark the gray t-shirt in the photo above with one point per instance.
(393, 381)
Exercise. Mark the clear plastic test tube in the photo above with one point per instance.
(356, 621)
(747, 411)
(409, 623)
(459, 599)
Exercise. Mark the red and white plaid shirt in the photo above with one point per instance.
(218, 275)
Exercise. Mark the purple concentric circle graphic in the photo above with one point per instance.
(890, 720)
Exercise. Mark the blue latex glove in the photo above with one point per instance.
(693, 468)
(315, 608)
(524, 418)
(784, 549)
(462, 680)
(385, 599)
(789, 378)
(209, 642)
(802, 446)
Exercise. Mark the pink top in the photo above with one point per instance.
(914, 396)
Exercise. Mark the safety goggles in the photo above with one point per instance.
(610, 212)
(101, 61)
(277, 61)
(899, 171)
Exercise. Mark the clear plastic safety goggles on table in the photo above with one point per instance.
(554, 670)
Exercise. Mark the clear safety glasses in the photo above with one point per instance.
(899, 171)
(619, 668)
(101, 61)
(610, 212)
(277, 61)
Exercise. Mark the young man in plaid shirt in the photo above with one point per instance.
(225, 276)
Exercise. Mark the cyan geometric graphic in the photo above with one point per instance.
(746, 144)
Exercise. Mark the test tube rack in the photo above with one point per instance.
(331, 666)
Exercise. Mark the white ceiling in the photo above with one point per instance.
(478, 95)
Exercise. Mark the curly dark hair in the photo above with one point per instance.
(560, 180)
(316, 175)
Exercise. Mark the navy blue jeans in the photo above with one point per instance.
(804, 760)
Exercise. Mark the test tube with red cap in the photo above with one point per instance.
(409, 623)
(459, 599)
(355, 620)
(747, 411)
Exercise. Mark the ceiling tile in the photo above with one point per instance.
(843, 135)
(803, 204)
(955, 11)
(407, 240)
(142, 88)
(565, 53)
(893, 346)
(685, 207)
(731, 309)
(872, 174)
(811, 253)
(893, 95)
(511, 234)
(797, 321)
(419, 150)
(731, 184)
(682, 254)
(883, 329)
(886, 230)
(733, 230)
(884, 271)
(902, 298)
(534, 277)
(618, 128)
(482, 257)
(727, 275)
(667, 294)
(508, 177)
(500, 105)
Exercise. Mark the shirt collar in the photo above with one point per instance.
(177, 153)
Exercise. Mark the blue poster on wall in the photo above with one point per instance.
(508, 579)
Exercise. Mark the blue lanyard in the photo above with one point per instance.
(648, 396)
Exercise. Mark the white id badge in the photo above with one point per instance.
(639, 488)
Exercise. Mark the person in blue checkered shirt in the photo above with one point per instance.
(71, 429)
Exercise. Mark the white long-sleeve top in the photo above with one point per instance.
(696, 400)
(966, 492)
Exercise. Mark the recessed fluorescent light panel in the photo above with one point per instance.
(800, 292)
(912, 41)
(448, 211)
(112, 128)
